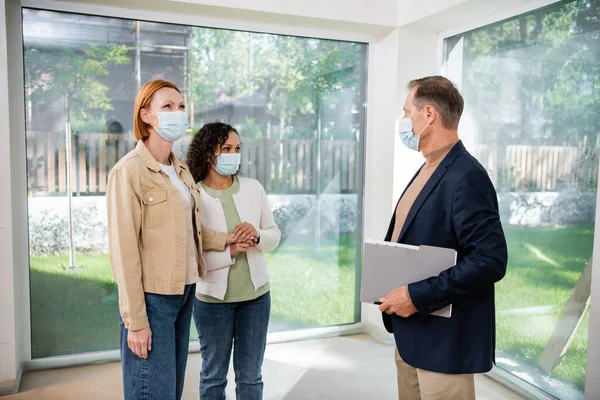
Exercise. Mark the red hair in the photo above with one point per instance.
(142, 101)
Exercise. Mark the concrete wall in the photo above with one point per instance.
(296, 215)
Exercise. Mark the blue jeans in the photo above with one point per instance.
(162, 374)
(242, 326)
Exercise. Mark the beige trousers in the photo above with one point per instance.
(418, 384)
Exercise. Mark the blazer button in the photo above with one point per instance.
(150, 199)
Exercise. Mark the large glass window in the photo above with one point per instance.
(532, 93)
(297, 103)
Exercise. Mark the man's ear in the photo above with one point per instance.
(431, 113)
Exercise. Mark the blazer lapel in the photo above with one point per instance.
(440, 171)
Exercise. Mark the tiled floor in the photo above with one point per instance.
(348, 368)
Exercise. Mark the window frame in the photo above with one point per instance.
(358, 327)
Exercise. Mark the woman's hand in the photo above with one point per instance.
(245, 232)
(140, 342)
(231, 239)
(238, 248)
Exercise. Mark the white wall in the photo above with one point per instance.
(379, 153)
(18, 166)
(444, 15)
(8, 357)
(14, 300)
(360, 11)
(417, 58)
(403, 55)
(331, 18)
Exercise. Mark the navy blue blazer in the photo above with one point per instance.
(458, 209)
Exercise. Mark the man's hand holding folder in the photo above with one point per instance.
(389, 269)
(398, 302)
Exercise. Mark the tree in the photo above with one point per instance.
(69, 77)
(574, 97)
(294, 76)
(539, 72)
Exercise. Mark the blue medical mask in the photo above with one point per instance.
(404, 128)
(172, 125)
(228, 163)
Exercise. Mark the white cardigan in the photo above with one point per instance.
(253, 207)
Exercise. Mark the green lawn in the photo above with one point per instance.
(544, 266)
(75, 311)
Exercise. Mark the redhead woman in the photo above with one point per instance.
(156, 241)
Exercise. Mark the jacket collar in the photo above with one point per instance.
(151, 163)
(458, 148)
(431, 184)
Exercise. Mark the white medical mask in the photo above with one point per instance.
(172, 125)
(404, 128)
(228, 163)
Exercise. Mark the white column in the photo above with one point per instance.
(418, 57)
(14, 266)
(394, 60)
(8, 357)
(382, 106)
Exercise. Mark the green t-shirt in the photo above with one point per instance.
(239, 282)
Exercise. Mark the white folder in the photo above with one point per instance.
(387, 266)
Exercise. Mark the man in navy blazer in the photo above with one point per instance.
(450, 203)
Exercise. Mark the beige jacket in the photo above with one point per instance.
(147, 232)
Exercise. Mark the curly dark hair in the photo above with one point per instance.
(202, 149)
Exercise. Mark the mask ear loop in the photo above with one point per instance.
(419, 135)
(423, 130)
(419, 113)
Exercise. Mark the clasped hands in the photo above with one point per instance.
(398, 302)
(243, 237)
(240, 240)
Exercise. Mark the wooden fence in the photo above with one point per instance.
(283, 166)
(291, 166)
(540, 168)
